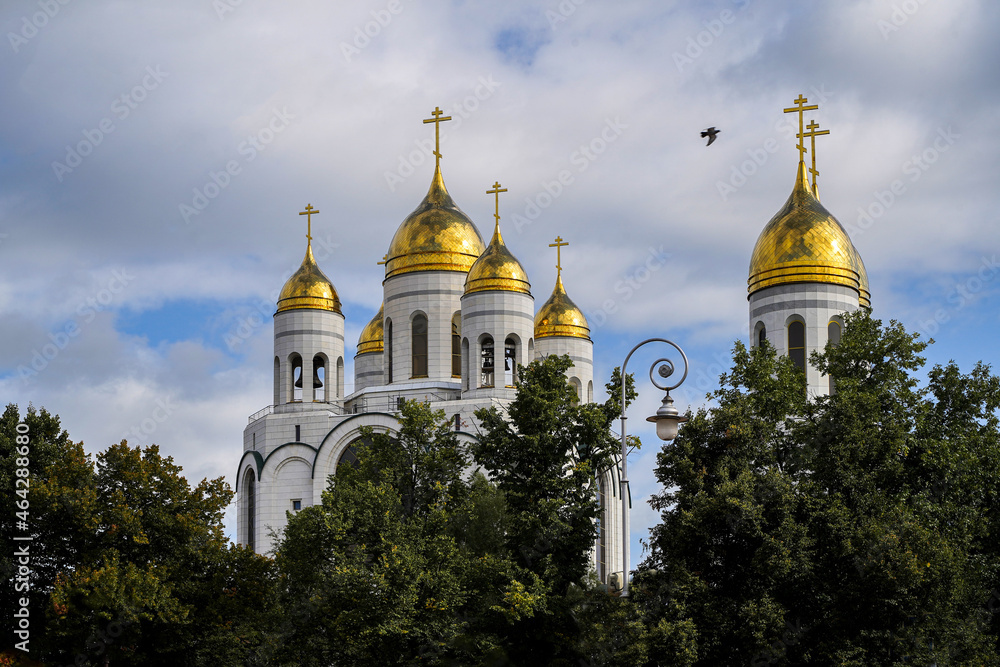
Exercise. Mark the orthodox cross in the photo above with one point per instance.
(800, 101)
(812, 134)
(437, 120)
(558, 246)
(385, 258)
(496, 191)
(309, 213)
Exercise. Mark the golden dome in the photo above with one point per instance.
(559, 316)
(309, 288)
(804, 243)
(372, 336)
(497, 269)
(437, 236)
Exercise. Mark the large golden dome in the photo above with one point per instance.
(559, 316)
(497, 269)
(372, 336)
(437, 236)
(804, 243)
(309, 288)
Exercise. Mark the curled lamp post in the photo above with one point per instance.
(667, 420)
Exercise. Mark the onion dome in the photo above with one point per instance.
(372, 335)
(309, 288)
(497, 270)
(804, 243)
(437, 236)
(559, 316)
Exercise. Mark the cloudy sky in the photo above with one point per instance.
(153, 157)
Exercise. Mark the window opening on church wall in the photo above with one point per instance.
(296, 366)
(509, 362)
(250, 491)
(319, 378)
(466, 375)
(797, 344)
(602, 530)
(298, 433)
(456, 345)
(419, 350)
(277, 381)
(486, 362)
(577, 387)
(761, 333)
(388, 350)
(340, 377)
(833, 336)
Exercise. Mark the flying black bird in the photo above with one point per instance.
(711, 133)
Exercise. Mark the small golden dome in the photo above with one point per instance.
(309, 288)
(497, 269)
(804, 243)
(559, 316)
(437, 236)
(372, 336)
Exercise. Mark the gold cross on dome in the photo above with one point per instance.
(309, 213)
(496, 191)
(437, 120)
(813, 126)
(385, 258)
(800, 101)
(558, 246)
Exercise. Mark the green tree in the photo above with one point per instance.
(401, 562)
(854, 529)
(543, 454)
(130, 562)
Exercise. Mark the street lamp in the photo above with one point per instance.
(667, 420)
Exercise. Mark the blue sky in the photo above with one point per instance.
(154, 156)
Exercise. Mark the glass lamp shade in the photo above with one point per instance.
(667, 419)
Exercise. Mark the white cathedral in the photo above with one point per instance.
(458, 317)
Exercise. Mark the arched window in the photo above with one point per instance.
(833, 336)
(388, 350)
(602, 530)
(486, 362)
(340, 377)
(250, 491)
(590, 391)
(797, 344)
(509, 362)
(319, 378)
(277, 381)
(349, 457)
(577, 387)
(761, 334)
(419, 349)
(456, 345)
(296, 377)
(466, 375)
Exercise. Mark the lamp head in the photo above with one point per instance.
(667, 419)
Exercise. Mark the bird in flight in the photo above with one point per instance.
(711, 133)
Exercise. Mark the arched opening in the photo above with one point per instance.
(250, 520)
(349, 457)
(577, 387)
(486, 366)
(295, 390)
(319, 379)
(590, 391)
(388, 351)
(761, 336)
(456, 345)
(531, 351)
(419, 345)
(833, 337)
(509, 362)
(465, 364)
(797, 344)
